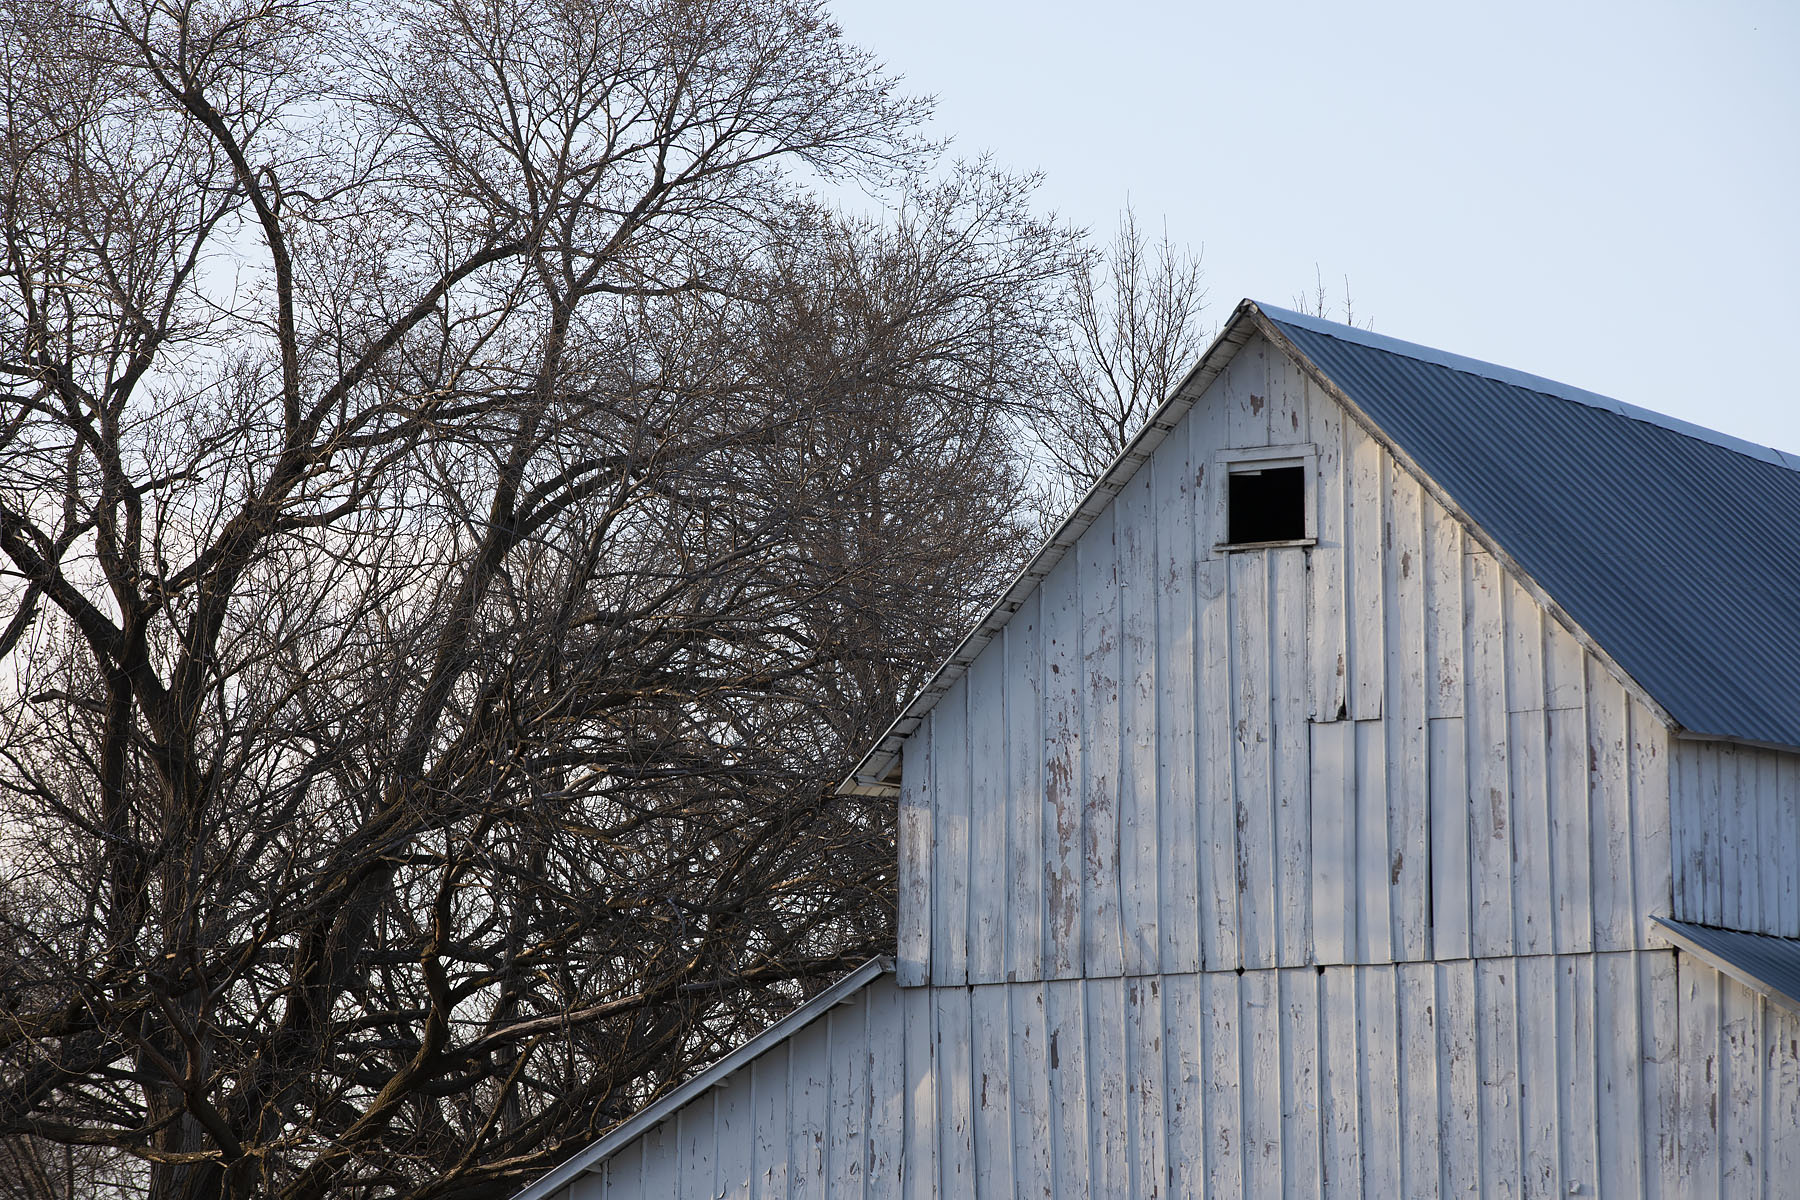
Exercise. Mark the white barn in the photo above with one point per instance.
(1387, 783)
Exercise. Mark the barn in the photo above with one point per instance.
(1386, 783)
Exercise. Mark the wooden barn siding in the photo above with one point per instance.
(1377, 749)
(1618, 1074)
(1736, 829)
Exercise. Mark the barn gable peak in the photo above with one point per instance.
(1666, 548)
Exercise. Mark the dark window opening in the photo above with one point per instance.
(1267, 505)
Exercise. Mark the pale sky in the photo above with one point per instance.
(1604, 193)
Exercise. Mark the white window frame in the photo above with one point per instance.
(1261, 458)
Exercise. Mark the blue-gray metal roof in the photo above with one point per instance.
(1771, 965)
(1676, 548)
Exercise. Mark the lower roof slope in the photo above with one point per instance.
(1676, 548)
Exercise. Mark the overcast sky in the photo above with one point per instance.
(1605, 193)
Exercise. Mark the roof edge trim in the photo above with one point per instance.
(1536, 383)
(658, 1110)
(1690, 937)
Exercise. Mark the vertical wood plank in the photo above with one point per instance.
(950, 852)
(1497, 1059)
(1443, 611)
(887, 1090)
(1527, 762)
(1459, 1082)
(1146, 1087)
(1697, 1019)
(1245, 389)
(1486, 757)
(1031, 1155)
(1565, 667)
(1259, 1027)
(1782, 1087)
(1577, 1060)
(809, 1114)
(1292, 775)
(769, 1113)
(1299, 1074)
(1420, 1151)
(1627, 1144)
(1104, 1034)
(1650, 814)
(1524, 647)
(956, 1091)
(1140, 859)
(986, 930)
(1368, 464)
(847, 1142)
(1571, 827)
(1334, 841)
(919, 1167)
(735, 1132)
(1541, 1063)
(1184, 1017)
(1224, 1138)
(1409, 834)
(1340, 1117)
(662, 1158)
(1374, 865)
(1740, 1088)
(1614, 844)
(1102, 934)
(1069, 1108)
(1380, 1080)
(1219, 948)
(1661, 1069)
(1177, 648)
(1025, 790)
(696, 1126)
(1288, 417)
(1329, 632)
(1062, 770)
(993, 1077)
(1253, 772)
(1449, 788)
(1787, 844)
(1777, 869)
(912, 960)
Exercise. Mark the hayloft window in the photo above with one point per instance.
(1265, 497)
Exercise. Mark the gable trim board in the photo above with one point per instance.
(1761, 962)
(876, 773)
(646, 1118)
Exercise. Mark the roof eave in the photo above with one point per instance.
(573, 1167)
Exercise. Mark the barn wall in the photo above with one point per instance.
(820, 1114)
(1736, 837)
(1377, 749)
(1615, 1074)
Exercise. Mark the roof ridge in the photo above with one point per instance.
(1524, 379)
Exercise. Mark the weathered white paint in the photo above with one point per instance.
(1379, 748)
(1313, 871)
(1627, 1073)
(1736, 830)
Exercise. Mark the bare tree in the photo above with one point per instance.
(1134, 328)
(459, 507)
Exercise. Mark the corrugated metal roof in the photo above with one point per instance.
(1677, 549)
(1770, 965)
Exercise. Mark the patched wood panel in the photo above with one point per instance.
(1378, 748)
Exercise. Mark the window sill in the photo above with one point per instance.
(1230, 547)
